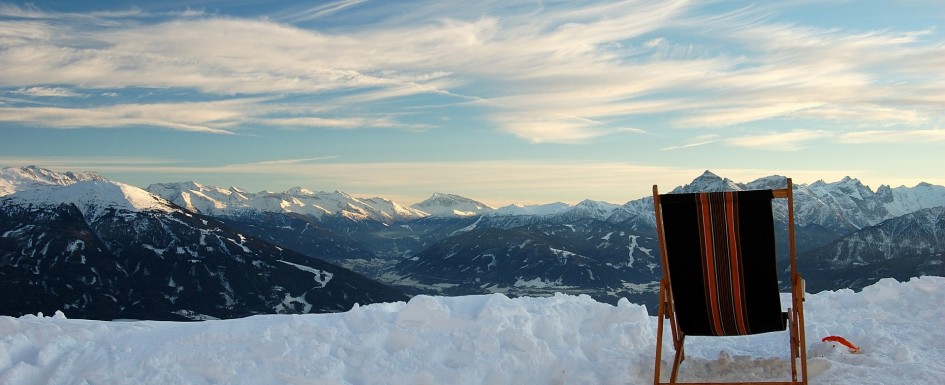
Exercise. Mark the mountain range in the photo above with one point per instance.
(106, 250)
(847, 234)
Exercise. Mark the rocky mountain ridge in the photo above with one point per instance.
(598, 248)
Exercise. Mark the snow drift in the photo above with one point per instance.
(489, 339)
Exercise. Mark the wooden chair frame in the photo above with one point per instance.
(666, 307)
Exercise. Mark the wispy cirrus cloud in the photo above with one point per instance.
(340, 123)
(298, 15)
(555, 72)
(697, 141)
(45, 91)
(779, 141)
(207, 117)
(890, 136)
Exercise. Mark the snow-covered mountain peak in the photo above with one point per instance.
(849, 180)
(13, 179)
(450, 205)
(708, 181)
(596, 206)
(94, 197)
(300, 191)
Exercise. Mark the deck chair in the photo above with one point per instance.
(720, 274)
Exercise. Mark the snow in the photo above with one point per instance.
(450, 205)
(322, 277)
(487, 339)
(94, 197)
(13, 179)
(213, 200)
(908, 200)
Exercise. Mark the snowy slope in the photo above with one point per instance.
(903, 200)
(487, 339)
(197, 197)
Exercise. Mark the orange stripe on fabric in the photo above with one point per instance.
(723, 277)
(710, 264)
(737, 294)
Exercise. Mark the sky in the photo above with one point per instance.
(499, 101)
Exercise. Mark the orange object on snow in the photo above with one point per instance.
(842, 341)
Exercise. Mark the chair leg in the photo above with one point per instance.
(798, 339)
(802, 341)
(792, 331)
(664, 313)
(659, 345)
(659, 336)
(680, 356)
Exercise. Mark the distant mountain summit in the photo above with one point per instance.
(13, 179)
(446, 205)
(708, 181)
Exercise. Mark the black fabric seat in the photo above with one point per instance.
(744, 280)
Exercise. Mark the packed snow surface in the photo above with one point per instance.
(489, 339)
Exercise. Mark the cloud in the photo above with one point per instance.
(889, 136)
(748, 112)
(700, 140)
(342, 123)
(45, 91)
(551, 73)
(280, 162)
(207, 117)
(226, 56)
(317, 12)
(783, 141)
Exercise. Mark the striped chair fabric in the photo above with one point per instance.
(722, 264)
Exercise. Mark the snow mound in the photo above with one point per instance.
(488, 339)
